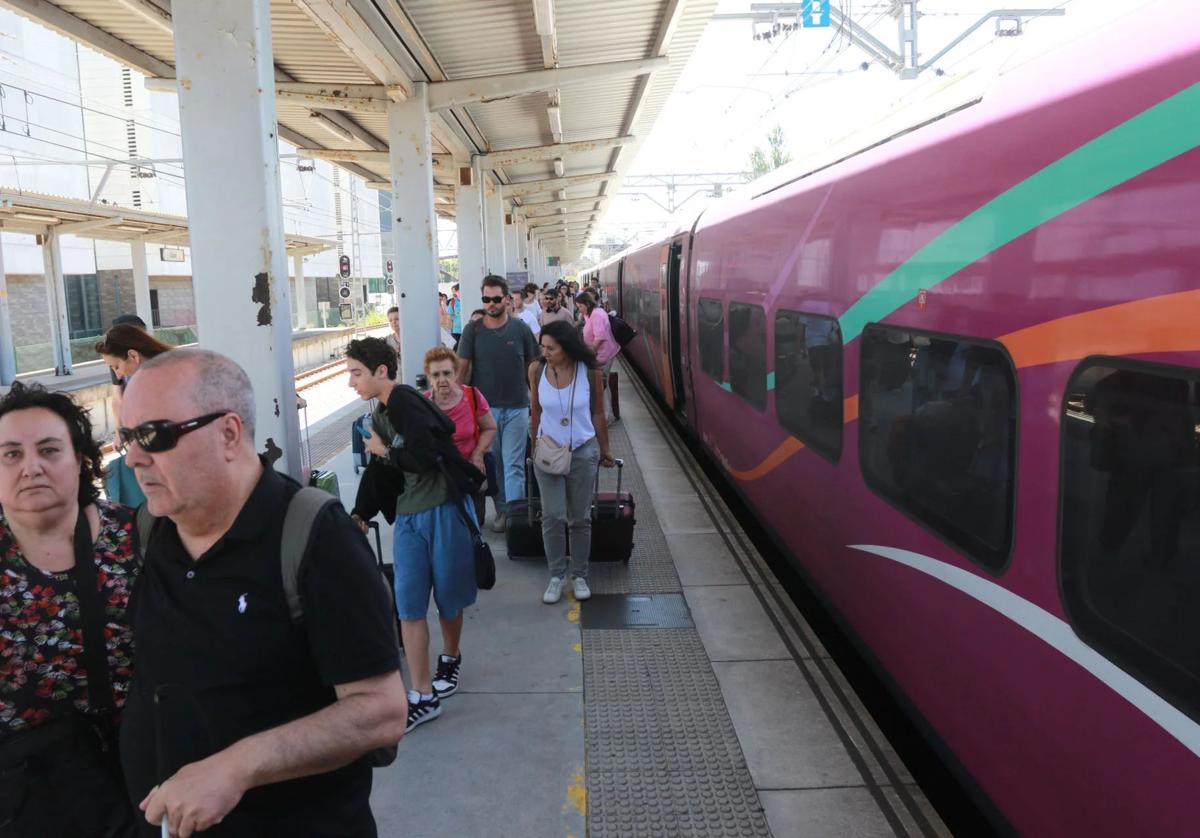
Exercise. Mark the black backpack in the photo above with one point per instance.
(622, 332)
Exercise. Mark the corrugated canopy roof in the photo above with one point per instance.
(334, 43)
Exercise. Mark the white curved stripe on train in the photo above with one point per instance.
(1053, 631)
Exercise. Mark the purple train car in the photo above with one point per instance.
(956, 375)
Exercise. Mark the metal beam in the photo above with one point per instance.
(438, 188)
(534, 187)
(442, 163)
(348, 29)
(451, 94)
(150, 12)
(549, 207)
(530, 154)
(53, 17)
(78, 227)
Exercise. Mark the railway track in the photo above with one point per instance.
(319, 375)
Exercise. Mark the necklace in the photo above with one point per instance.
(565, 420)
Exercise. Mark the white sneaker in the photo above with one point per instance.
(582, 591)
(553, 591)
(498, 522)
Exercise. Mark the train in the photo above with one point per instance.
(955, 376)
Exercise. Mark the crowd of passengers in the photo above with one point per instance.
(157, 674)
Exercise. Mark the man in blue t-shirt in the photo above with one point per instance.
(496, 353)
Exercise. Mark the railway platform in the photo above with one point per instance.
(688, 697)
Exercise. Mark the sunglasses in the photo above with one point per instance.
(162, 435)
(499, 299)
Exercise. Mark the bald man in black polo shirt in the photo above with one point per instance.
(239, 720)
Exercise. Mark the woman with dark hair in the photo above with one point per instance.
(124, 348)
(597, 333)
(570, 440)
(67, 564)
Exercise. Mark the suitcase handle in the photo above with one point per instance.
(528, 488)
(620, 464)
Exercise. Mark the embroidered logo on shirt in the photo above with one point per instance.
(242, 604)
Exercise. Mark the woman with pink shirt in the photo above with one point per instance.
(597, 333)
(474, 425)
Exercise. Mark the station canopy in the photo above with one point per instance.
(339, 62)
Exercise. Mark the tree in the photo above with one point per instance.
(775, 156)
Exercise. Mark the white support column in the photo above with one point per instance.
(301, 296)
(141, 284)
(413, 233)
(468, 216)
(493, 227)
(523, 244)
(56, 302)
(231, 162)
(8, 349)
(512, 252)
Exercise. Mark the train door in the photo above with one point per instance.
(617, 302)
(673, 325)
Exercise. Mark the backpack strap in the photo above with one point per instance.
(144, 524)
(302, 512)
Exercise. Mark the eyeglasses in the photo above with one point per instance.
(160, 435)
(442, 374)
(499, 299)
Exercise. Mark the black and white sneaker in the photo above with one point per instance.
(421, 710)
(445, 683)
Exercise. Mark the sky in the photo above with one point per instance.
(811, 83)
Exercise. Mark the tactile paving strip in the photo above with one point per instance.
(662, 754)
(651, 569)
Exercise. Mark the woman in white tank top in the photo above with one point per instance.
(567, 409)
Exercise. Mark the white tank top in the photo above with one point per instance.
(558, 405)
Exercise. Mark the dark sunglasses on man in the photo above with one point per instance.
(493, 300)
(161, 435)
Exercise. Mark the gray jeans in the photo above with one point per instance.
(567, 506)
(608, 410)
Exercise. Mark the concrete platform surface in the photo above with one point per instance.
(738, 725)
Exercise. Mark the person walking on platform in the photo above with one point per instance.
(553, 310)
(67, 563)
(597, 333)
(570, 441)
(123, 349)
(525, 312)
(246, 716)
(474, 425)
(433, 544)
(495, 353)
(393, 338)
(456, 314)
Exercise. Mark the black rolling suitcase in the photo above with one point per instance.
(612, 522)
(389, 573)
(523, 522)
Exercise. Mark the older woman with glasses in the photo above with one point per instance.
(474, 425)
(67, 564)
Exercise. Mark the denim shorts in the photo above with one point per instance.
(434, 552)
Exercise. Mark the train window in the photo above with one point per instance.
(808, 380)
(748, 353)
(938, 435)
(1130, 521)
(649, 301)
(712, 338)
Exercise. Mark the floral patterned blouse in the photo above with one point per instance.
(42, 673)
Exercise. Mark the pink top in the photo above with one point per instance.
(464, 423)
(598, 333)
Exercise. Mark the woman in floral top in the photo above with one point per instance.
(58, 775)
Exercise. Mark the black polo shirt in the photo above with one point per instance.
(215, 639)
